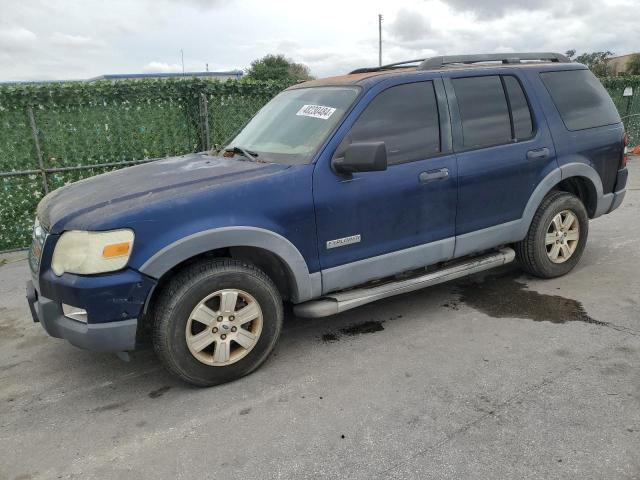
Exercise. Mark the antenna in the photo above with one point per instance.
(182, 59)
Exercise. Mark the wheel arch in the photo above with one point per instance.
(578, 178)
(267, 249)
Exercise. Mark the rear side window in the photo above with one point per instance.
(483, 110)
(580, 99)
(405, 117)
(522, 123)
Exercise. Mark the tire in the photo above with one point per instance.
(535, 253)
(192, 304)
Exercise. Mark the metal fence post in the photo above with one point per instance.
(36, 141)
(204, 121)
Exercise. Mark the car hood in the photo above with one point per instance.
(75, 205)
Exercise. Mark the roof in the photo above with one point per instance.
(349, 79)
(623, 56)
(449, 62)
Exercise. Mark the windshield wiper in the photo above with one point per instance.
(253, 156)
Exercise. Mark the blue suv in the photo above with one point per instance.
(339, 192)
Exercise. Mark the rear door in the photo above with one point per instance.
(374, 224)
(585, 122)
(503, 148)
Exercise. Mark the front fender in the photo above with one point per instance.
(304, 285)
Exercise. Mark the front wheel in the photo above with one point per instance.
(556, 238)
(217, 321)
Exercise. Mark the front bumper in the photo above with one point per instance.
(115, 336)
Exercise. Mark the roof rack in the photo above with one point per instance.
(506, 58)
(390, 66)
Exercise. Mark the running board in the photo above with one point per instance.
(337, 302)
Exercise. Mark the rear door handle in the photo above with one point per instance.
(433, 175)
(538, 154)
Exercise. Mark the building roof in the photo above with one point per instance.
(124, 76)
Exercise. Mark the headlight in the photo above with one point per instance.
(87, 253)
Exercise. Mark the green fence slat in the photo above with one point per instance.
(81, 125)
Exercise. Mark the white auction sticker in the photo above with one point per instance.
(316, 111)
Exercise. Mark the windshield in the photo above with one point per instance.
(291, 127)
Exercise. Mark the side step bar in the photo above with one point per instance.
(337, 302)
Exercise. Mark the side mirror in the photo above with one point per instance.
(362, 157)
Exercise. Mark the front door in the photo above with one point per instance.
(375, 224)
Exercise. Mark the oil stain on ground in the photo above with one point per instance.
(159, 392)
(370, 326)
(505, 297)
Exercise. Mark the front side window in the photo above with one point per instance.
(405, 117)
(293, 125)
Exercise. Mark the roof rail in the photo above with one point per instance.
(389, 66)
(506, 58)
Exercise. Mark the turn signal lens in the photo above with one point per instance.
(116, 250)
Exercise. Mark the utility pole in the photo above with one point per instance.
(379, 39)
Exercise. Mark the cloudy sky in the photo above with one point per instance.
(74, 39)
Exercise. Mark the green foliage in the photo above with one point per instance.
(596, 61)
(278, 68)
(629, 107)
(633, 67)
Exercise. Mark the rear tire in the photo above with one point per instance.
(556, 238)
(217, 321)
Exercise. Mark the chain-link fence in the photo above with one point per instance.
(51, 135)
(628, 105)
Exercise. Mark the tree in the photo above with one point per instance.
(633, 67)
(596, 61)
(278, 67)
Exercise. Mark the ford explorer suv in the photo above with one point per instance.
(337, 193)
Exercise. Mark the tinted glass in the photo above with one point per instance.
(405, 117)
(522, 123)
(581, 99)
(483, 111)
(290, 128)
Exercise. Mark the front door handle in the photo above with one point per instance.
(538, 154)
(432, 175)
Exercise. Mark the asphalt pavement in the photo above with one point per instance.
(496, 376)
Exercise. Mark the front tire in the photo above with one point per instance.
(217, 321)
(556, 238)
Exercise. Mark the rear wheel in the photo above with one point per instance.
(217, 321)
(556, 238)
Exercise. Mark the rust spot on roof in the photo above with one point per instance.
(350, 79)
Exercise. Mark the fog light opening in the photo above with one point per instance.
(74, 313)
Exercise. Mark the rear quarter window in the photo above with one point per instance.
(581, 99)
